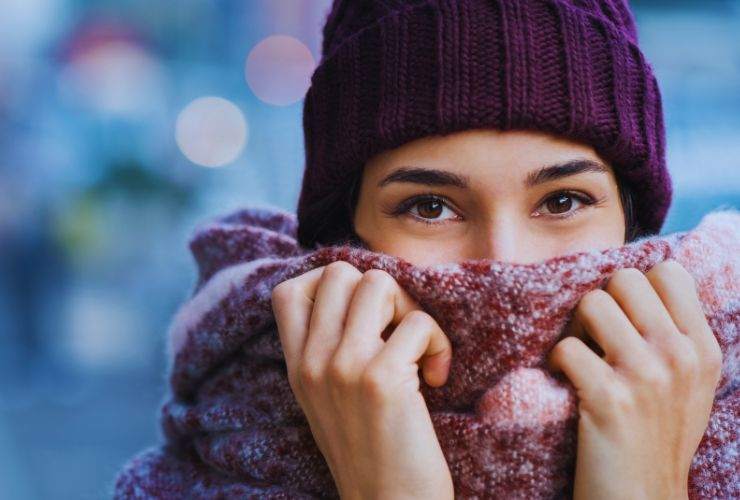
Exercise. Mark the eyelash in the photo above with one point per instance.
(405, 206)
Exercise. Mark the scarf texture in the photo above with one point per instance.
(507, 426)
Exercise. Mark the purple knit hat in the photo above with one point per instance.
(396, 70)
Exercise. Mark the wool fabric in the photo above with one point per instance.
(395, 70)
(507, 426)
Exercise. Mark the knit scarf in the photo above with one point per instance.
(507, 426)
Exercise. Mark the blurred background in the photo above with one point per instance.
(123, 123)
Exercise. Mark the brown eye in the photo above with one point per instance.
(430, 209)
(427, 209)
(564, 204)
(560, 203)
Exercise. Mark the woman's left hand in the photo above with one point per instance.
(644, 406)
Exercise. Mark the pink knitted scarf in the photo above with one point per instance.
(507, 427)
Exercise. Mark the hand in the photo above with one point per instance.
(360, 392)
(644, 406)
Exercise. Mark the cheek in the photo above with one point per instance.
(421, 252)
(606, 232)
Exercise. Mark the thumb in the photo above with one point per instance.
(418, 339)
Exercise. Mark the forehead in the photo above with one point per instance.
(483, 155)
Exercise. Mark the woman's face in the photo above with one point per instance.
(516, 196)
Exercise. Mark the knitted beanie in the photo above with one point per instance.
(396, 70)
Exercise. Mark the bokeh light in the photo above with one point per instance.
(116, 77)
(279, 69)
(211, 131)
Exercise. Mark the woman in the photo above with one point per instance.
(441, 131)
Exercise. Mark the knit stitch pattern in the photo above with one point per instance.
(507, 426)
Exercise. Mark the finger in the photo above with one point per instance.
(331, 301)
(575, 328)
(418, 335)
(599, 317)
(677, 290)
(378, 300)
(634, 293)
(586, 371)
(292, 304)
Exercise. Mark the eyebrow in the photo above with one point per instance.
(567, 169)
(428, 176)
(435, 177)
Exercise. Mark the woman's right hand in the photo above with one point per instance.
(359, 392)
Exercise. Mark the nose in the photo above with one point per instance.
(502, 240)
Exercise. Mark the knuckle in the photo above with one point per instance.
(282, 292)
(378, 277)
(419, 317)
(670, 266)
(564, 347)
(623, 278)
(593, 300)
(567, 343)
(374, 382)
(341, 269)
(574, 343)
(339, 372)
(656, 377)
(671, 271)
(682, 357)
(617, 399)
(309, 374)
